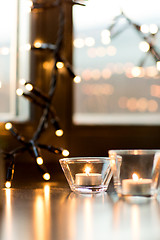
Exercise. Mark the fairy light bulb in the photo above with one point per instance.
(65, 152)
(8, 184)
(30, 3)
(8, 126)
(153, 28)
(77, 79)
(59, 132)
(46, 176)
(37, 44)
(22, 81)
(39, 160)
(105, 33)
(59, 65)
(29, 87)
(27, 47)
(144, 28)
(144, 46)
(136, 71)
(19, 92)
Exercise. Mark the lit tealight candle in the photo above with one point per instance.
(87, 178)
(136, 186)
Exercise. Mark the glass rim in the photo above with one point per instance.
(134, 151)
(84, 159)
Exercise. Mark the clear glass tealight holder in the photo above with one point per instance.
(87, 174)
(135, 172)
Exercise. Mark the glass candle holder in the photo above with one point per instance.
(87, 174)
(135, 172)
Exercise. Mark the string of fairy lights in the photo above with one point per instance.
(146, 33)
(42, 100)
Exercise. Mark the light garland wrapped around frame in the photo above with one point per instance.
(37, 97)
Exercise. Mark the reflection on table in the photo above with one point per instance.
(57, 213)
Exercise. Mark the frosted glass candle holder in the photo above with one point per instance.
(135, 172)
(87, 174)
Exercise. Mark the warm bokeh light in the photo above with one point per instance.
(89, 41)
(77, 79)
(111, 51)
(29, 86)
(97, 89)
(19, 92)
(155, 90)
(37, 44)
(47, 65)
(65, 152)
(95, 74)
(136, 71)
(78, 43)
(106, 40)
(151, 71)
(158, 65)
(8, 184)
(144, 46)
(8, 125)
(152, 106)
(106, 73)
(29, 5)
(59, 65)
(131, 104)
(153, 28)
(22, 81)
(28, 47)
(39, 160)
(46, 176)
(0, 84)
(105, 37)
(105, 33)
(144, 28)
(59, 132)
(142, 104)
(101, 51)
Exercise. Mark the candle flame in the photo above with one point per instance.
(135, 177)
(87, 170)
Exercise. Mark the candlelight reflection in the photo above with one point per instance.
(135, 222)
(47, 210)
(42, 218)
(39, 218)
(88, 219)
(8, 210)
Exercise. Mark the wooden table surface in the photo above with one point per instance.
(54, 212)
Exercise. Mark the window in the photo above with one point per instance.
(14, 58)
(119, 71)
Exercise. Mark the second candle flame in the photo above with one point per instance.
(87, 170)
(135, 177)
